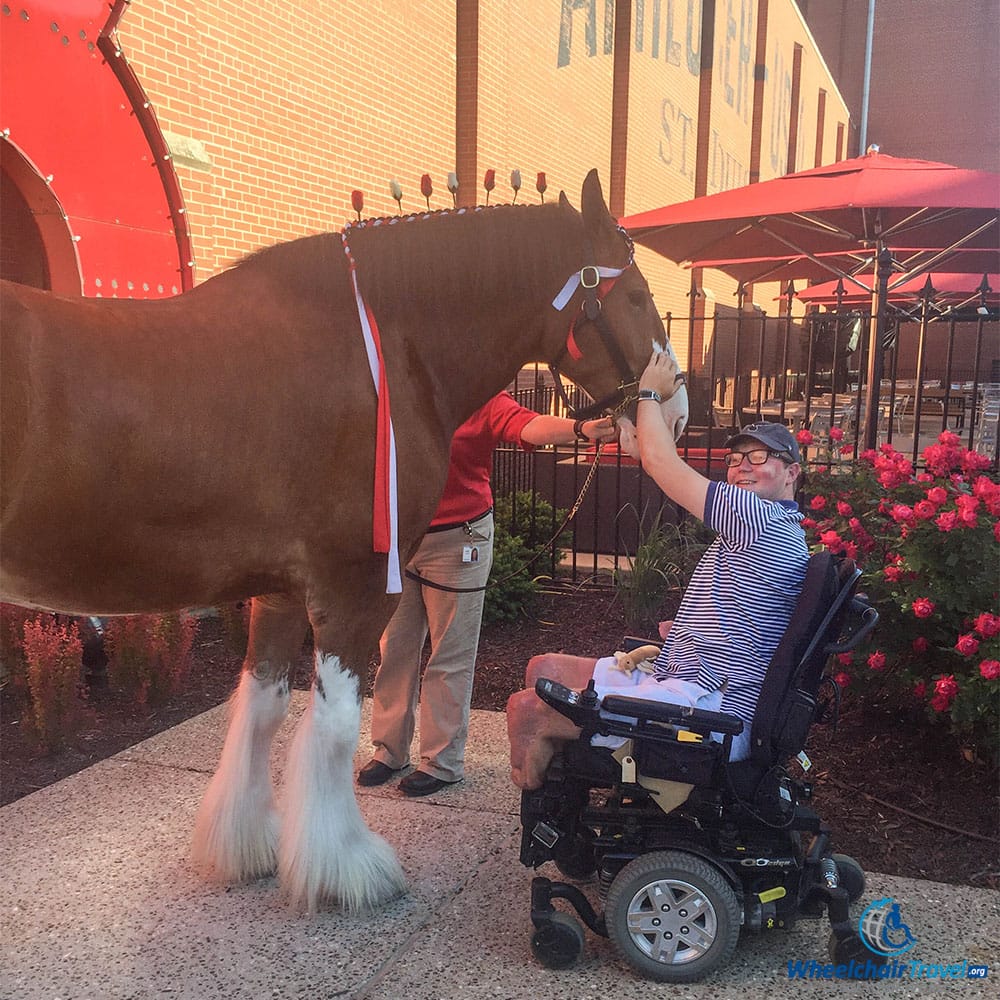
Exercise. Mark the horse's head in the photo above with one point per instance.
(612, 326)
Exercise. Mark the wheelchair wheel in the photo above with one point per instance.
(559, 944)
(851, 875)
(673, 916)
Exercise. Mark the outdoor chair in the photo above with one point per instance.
(686, 847)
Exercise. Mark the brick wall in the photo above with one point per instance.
(276, 111)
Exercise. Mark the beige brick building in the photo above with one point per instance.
(275, 112)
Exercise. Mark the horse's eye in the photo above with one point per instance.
(638, 299)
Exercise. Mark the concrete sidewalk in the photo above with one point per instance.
(99, 901)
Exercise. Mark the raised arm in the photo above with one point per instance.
(657, 450)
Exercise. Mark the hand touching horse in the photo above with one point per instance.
(223, 444)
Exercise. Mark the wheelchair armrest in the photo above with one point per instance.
(678, 715)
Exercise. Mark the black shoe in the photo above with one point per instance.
(422, 783)
(376, 773)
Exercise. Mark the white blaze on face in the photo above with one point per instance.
(675, 409)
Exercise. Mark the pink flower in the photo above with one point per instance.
(845, 659)
(919, 689)
(923, 607)
(966, 502)
(987, 625)
(844, 509)
(947, 520)
(901, 513)
(990, 669)
(973, 461)
(808, 524)
(836, 433)
(842, 679)
(949, 439)
(967, 645)
(967, 517)
(996, 530)
(818, 503)
(946, 686)
(940, 703)
(804, 437)
(893, 573)
(937, 495)
(985, 487)
(924, 510)
(920, 644)
(831, 540)
(877, 661)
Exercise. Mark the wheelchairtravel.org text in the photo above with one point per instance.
(872, 969)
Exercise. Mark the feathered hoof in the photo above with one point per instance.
(360, 876)
(228, 848)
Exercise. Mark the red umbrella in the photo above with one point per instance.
(860, 208)
(869, 202)
(907, 261)
(949, 286)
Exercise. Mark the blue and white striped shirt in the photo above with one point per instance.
(740, 598)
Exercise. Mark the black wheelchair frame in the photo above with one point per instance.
(686, 846)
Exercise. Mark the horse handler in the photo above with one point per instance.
(443, 596)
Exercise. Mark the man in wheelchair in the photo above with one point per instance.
(700, 829)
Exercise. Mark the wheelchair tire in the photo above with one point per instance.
(673, 916)
(559, 944)
(851, 875)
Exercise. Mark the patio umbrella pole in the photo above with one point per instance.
(876, 353)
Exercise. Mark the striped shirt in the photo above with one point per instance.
(740, 598)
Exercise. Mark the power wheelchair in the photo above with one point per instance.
(686, 846)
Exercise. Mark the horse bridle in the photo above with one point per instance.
(596, 282)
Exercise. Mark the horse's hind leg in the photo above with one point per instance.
(236, 830)
(326, 850)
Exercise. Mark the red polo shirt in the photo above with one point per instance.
(467, 494)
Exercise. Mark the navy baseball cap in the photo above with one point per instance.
(776, 437)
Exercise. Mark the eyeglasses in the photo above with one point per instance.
(756, 457)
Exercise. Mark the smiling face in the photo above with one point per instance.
(774, 480)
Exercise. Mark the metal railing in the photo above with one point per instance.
(807, 373)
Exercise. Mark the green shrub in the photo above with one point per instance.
(663, 561)
(522, 535)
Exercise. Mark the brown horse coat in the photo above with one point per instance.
(220, 445)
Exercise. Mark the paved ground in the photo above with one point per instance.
(98, 900)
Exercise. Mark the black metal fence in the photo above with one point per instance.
(810, 373)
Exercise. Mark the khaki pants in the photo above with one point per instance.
(453, 622)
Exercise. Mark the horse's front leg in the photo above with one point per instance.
(326, 850)
(236, 830)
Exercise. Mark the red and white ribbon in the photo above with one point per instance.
(385, 513)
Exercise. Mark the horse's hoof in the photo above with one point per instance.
(361, 877)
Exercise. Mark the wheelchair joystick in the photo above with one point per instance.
(588, 696)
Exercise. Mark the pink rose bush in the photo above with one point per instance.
(928, 544)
